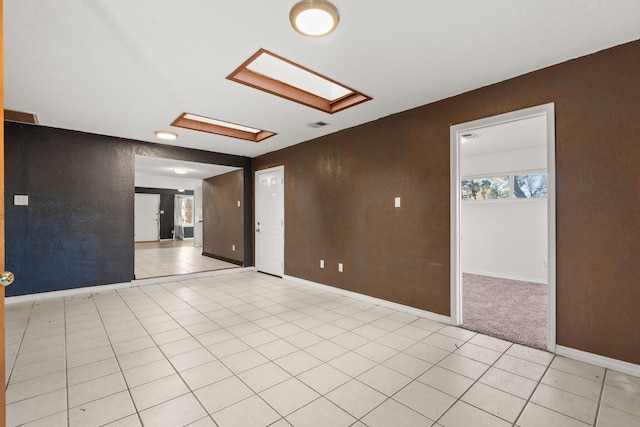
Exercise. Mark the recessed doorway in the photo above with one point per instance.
(503, 223)
(181, 217)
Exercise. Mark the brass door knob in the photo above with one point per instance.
(6, 278)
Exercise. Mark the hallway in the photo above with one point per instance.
(169, 257)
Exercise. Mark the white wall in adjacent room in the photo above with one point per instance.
(532, 158)
(505, 238)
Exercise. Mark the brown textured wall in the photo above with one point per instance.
(223, 224)
(340, 190)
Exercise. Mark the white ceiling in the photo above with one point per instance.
(509, 136)
(165, 167)
(127, 68)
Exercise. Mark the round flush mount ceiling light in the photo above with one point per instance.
(314, 18)
(165, 134)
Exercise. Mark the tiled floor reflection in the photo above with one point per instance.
(168, 258)
(248, 349)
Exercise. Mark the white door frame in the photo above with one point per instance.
(256, 181)
(548, 111)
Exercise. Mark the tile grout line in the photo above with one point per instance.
(24, 332)
(534, 390)
(604, 380)
(304, 351)
(66, 360)
(474, 382)
(205, 347)
(117, 361)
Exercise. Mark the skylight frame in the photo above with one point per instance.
(279, 88)
(221, 127)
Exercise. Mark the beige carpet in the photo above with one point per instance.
(508, 309)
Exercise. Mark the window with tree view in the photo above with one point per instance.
(485, 188)
(530, 186)
(519, 185)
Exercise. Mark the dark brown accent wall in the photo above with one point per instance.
(223, 221)
(340, 188)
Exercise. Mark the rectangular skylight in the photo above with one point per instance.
(220, 127)
(271, 73)
(220, 123)
(275, 68)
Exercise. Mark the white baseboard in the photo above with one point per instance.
(65, 293)
(179, 277)
(373, 300)
(102, 288)
(506, 276)
(596, 359)
(582, 356)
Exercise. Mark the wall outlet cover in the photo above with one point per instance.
(20, 200)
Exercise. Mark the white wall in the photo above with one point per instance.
(506, 161)
(155, 181)
(505, 238)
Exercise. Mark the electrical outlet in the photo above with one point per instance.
(321, 263)
(340, 267)
(238, 203)
(233, 247)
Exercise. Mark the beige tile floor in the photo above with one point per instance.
(157, 259)
(248, 349)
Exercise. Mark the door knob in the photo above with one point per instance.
(6, 278)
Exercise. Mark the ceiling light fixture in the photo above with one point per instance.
(314, 18)
(165, 134)
(181, 171)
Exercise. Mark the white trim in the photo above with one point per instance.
(548, 110)
(505, 276)
(102, 288)
(596, 359)
(65, 293)
(373, 300)
(188, 276)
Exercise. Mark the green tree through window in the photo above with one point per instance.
(485, 188)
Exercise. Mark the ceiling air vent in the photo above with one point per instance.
(317, 124)
(20, 117)
(469, 135)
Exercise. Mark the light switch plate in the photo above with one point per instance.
(20, 200)
(321, 263)
(238, 203)
(340, 267)
(397, 202)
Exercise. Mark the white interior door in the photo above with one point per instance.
(147, 217)
(270, 221)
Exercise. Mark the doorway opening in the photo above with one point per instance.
(503, 226)
(179, 243)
